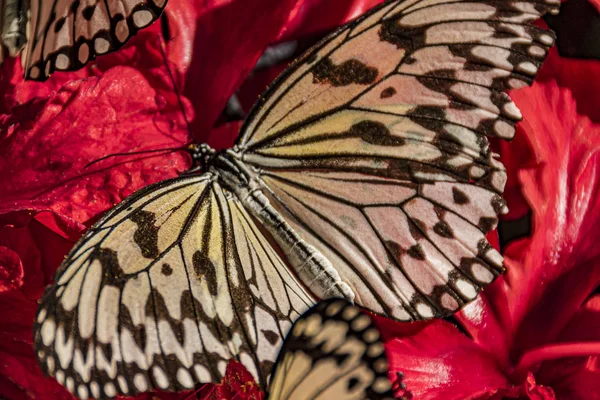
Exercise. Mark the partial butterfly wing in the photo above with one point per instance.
(373, 146)
(13, 23)
(332, 352)
(165, 290)
(66, 34)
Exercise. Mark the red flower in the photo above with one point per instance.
(534, 334)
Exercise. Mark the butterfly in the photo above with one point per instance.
(63, 35)
(363, 173)
(333, 351)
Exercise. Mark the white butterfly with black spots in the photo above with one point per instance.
(63, 35)
(363, 173)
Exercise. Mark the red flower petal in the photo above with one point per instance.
(48, 146)
(548, 282)
(224, 136)
(311, 17)
(577, 378)
(39, 249)
(578, 75)
(440, 362)
(229, 41)
(484, 319)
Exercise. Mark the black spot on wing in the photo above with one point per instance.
(271, 336)
(166, 270)
(387, 92)
(416, 252)
(375, 133)
(146, 236)
(459, 196)
(74, 6)
(110, 263)
(499, 204)
(352, 383)
(393, 33)
(205, 270)
(442, 229)
(486, 224)
(59, 24)
(349, 72)
(88, 12)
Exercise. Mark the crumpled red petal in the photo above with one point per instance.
(226, 49)
(40, 242)
(311, 17)
(549, 281)
(48, 146)
(440, 362)
(579, 76)
(577, 378)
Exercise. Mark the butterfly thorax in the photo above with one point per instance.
(237, 177)
(225, 164)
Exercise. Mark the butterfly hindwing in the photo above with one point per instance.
(163, 292)
(332, 352)
(66, 34)
(373, 146)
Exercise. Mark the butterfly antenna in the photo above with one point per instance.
(166, 37)
(181, 148)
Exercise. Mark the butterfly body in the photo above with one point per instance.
(313, 269)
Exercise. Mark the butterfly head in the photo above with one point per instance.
(202, 154)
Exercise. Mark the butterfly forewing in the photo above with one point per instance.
(373, 146)
(163, 292)
(332, 352)
(66, 34)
